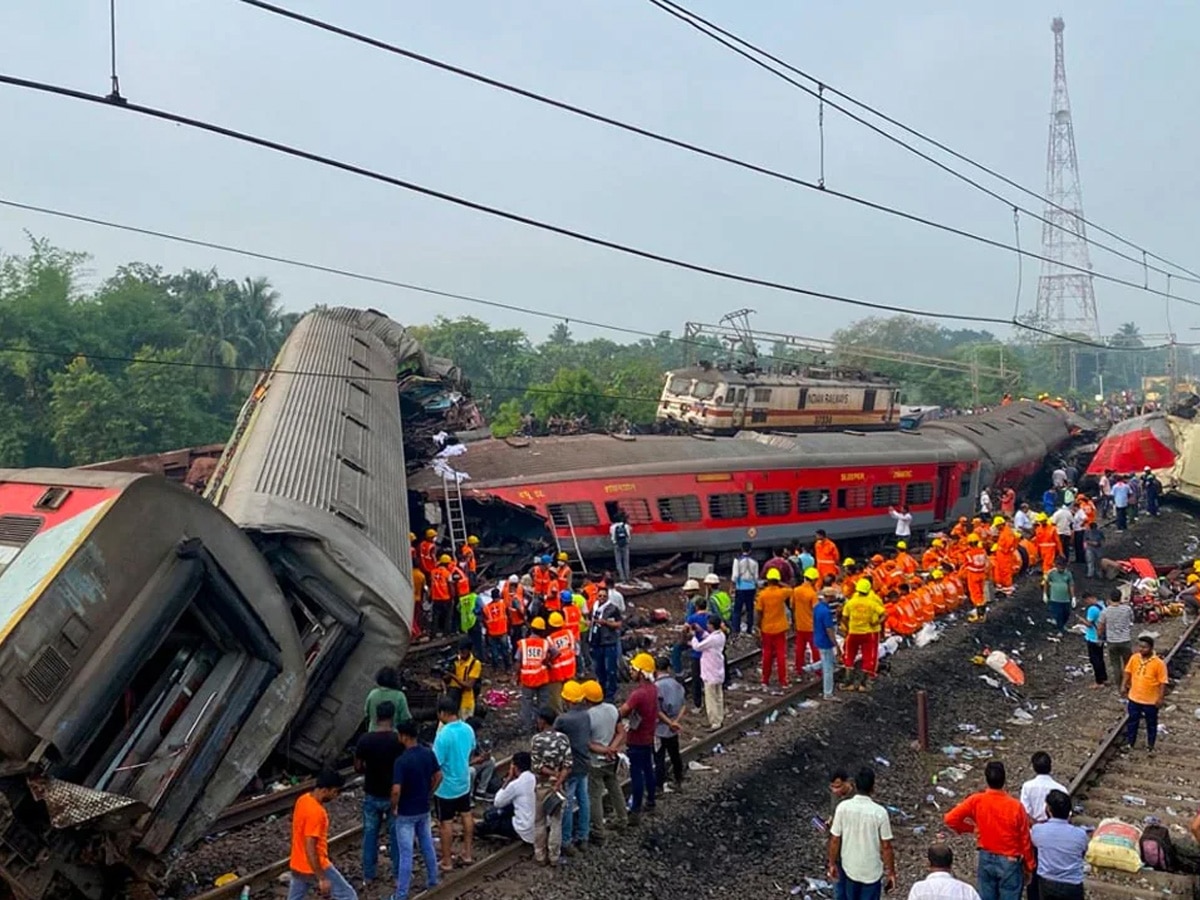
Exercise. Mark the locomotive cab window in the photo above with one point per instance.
(727, 506)
(679, 509)
(918, 493)
(576, 514)
(679, 385)
(636, 510)
(813, 500)
(703, 390)
(762, 395)
(885, 495)
(768, 504)
(852, 498)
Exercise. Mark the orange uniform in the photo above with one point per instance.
(1004, 562)
(826, 554)
(427, 555)
(977, 572)
(1048, 543)
(905, 563)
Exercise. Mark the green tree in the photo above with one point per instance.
(90, 417)
(571, 392)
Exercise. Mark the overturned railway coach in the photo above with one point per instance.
(694, 494)
(147, 666)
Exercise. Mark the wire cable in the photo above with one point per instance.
(796, 181)
(684, 14)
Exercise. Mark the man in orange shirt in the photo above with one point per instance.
(804, 598)
(826, 553)
(770, 617)
(1001, 826)
(1144, 683)
(309, 863)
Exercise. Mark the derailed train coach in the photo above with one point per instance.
(314, 473)
(148, 664)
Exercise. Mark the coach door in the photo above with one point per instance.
(946, 494)
(740, 398)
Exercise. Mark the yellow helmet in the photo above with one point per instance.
(644, 663)
(995, 548)
(430, 533)
(972, 538)
(811, 574)
(1196, 565)
(572, 692)
(773, 575)
(901, 545)
(562, 557)
(847, 562)
(411, 537)
(556, 620)
(937, 574)
(1193, 578)
(538, 624)
(937, 542)
(999, 520)
(863, 586)
(592, 692)
(445, 558)
(472, 540)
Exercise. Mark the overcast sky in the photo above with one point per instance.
(978, 76)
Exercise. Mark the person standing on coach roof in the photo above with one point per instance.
(309, 862)
(1001, 828)
(861, 858)
(745, 585)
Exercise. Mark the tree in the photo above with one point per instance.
(90, 417)
(571, 392)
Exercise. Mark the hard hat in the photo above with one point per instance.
(430, 533)
(411, 537)
(592, 692)
(572, 692)
(999, 520)
(1193, 578)
(472, 540)
(556, 620)
(538, 624)
(562, 557)
(847, 562)
(937, 542)
(691, 585)
(877, 558)
(995, 547)
(811, 574)
(513, 579)
(772, 574)
(962, 520)
(545, 560)
(976, 520)
(566, 596)
(863, 586)
(445, 558)
(712, 578)
(901, 545)
(1196, 565)
(936, 574)
(643, 662)
(972, 539)
(1146, 469)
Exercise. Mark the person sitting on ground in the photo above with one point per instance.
(940, 883)
(514, 803)
(1061, 848)
(1036, 789)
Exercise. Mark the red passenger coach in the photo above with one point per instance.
(710, 494)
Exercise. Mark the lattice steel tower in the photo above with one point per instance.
(1066, 299)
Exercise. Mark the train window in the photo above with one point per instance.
(727, 506)
(52, 498)
(758, 416)
(918, 492)
(883, 495)
(762, 395)
(852, 498)
(679, 509)
(679, 385)
(964, 485)
(772, 503)
(812, 500)
(636, 510)
(565, 515)
(703, 390)
(803, 398)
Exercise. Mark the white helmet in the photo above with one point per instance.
(712, 578)
(691, 585)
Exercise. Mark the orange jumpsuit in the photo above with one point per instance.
(905, 563)
(1004, 561)
(826, 554)
(977, 571)
(1048, 543)
(931, 559)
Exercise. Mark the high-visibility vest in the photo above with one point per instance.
(495, 618)
(460, 581)
(466, 610)
(553, 601)
(531, 660)
(439, 584)
(581, 603)
(977, 561)
(572, 616)
(826, 553)
(562, 666)
(906, 563)
(541, 577)
(564, 574)
(722, 603)
(514, 602)
(468, 557)
(591, 590)
(427, 555)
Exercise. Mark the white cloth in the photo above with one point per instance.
(942, 886)
(903, 523)
(985, 503)
(1062, 520)
(863, 826)
(1034, 793)
(1079, 520)
(521, 793)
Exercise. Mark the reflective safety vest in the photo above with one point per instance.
(562, 666)
(977, 561)
(427, 555)
(514, 601)
(466, 610)
(563, 574)
(572, 616)
(553, 601)
(495, 618)
(439, 584)
(468, 557)
(722, 604)
(542, 579)
(460, 581)
(531, 661)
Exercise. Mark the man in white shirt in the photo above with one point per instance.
(861, 858)
(940, 883)
(1022, 521)
(903, 522)
(518, 792)
(1062, 521)
(1036, 789)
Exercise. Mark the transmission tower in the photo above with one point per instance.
(1066, 299)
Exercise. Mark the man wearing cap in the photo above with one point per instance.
(804, 598)
(575, 723)
(904, 561)
(562, 658)
(427, 552)
(440, 595)
(495, 626)
(862, 614)
(770, 608)
(533, 673)
(607, 741)
(513, 595)
(641, 709)
(976, 565)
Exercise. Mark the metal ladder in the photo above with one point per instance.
(456, 516)
(578, 557)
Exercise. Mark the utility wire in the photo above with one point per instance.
(697, 149)
(627, 249)
(719, 35)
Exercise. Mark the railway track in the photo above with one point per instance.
(747, 706)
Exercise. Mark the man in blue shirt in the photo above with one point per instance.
(1060, 850)
(415, 776)
(1120, 496)
(698, 616)
(805, 560)
(825, 637)
(1095, 646)
(453, 746)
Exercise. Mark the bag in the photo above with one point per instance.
(1158, 852)
(621, 534)
(552, 804)
(1114, 845)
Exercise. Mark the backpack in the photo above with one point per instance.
(1158, 852)
(621, 534)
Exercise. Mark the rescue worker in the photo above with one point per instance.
(862, 614)
(1004, 560)
(719, 601)
(960, 529)
(976, 568)
(467, 560)
(771, 625)
(440, 595)
(804, 600)
(563, 573)
(826, 553)
(562, 659)
(1049, 547)
(903, 561)
(533, 673)
(495, 629)
(932, 557)
(544, 582)
(427, 552)
(470, 612)
(513, 596)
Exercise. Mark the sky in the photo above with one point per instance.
(976, 76)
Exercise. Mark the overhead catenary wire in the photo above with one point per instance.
(717, 32)
(819, 186)
(463, 202)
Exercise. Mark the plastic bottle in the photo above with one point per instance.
(245, 894)
(1132, 800)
